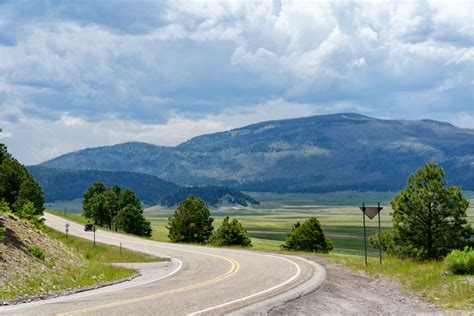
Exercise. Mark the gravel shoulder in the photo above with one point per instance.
(348, 292)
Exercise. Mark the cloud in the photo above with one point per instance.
(225, 64)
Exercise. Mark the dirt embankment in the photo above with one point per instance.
(346, 292)
(17, 261)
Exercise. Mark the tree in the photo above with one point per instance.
(87, 206)
(231, 233)
(308, 236)
(192, 222)
(130, 219)
(128, 197)
(100, 212)
(428, 217)
(112, 204)
(17, 186)
(27, 211)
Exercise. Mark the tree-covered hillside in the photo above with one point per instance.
(66, 185)
(313, 154)
(212, 195)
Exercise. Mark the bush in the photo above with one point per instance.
(461, 261)
(308, 236)
(2, 233)
(192, 222)
(231, 233)
(36, 251)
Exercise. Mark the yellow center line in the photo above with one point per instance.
(234, 268)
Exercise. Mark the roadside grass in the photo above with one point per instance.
(72, 276)
(89, 266)
(428, 278)
(103, 253)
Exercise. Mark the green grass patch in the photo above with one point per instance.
(101, 252)
(428, 278)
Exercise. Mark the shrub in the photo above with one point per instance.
(2, 233)
(308, 236)
(192, 222)
(231, 233)
(36, 251)
(461, 261)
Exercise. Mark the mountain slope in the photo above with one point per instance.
(313, 154)
(66, 185)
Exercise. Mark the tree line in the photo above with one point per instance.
(113, 208)
(19, 192)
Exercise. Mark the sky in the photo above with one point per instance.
(77, 74)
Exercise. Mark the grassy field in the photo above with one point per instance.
(269, 222)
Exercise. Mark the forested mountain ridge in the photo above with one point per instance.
(66, 185)
(314, 154)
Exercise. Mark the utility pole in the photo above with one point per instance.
(365, 235)
(380, 234)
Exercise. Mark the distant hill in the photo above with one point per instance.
(313, 154)
(213, 195)
(66, 185)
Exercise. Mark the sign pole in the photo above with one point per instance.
(365, 235)
(94, 235)
(380, 236)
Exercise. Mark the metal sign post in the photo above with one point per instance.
(371, 212)
(67, 229)
(94, 234)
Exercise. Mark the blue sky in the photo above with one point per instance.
(77, 74)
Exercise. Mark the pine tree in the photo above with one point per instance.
(430, 218)
(192, 222)
(231, 233)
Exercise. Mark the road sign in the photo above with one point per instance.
(371, 211)
(67, 228)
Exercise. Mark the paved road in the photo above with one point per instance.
(199, 280)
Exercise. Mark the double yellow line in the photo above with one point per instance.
(234, 268)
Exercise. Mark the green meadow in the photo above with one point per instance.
(269, 222)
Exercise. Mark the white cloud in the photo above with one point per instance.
(168, 72)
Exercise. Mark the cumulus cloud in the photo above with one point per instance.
(213, 66)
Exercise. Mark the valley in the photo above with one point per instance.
(269, 222)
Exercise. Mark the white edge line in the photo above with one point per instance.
(298, 269)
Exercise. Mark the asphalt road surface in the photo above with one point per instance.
(198, 281)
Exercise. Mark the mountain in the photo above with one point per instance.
(213, 195)
(66, 185)
(314, 154)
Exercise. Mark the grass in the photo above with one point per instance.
(428, 278)
(101, 252)
(93, 266)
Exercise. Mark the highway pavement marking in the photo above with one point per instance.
(298, 269)
(235, 266)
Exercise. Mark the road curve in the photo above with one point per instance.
(199, 280)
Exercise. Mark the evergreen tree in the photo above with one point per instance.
(87, 206)
(112, 204)
(428, 217)
(308, 236)
(128, 197)
(192, 222)
(17, 186)
(231, 233)
(130, 219)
